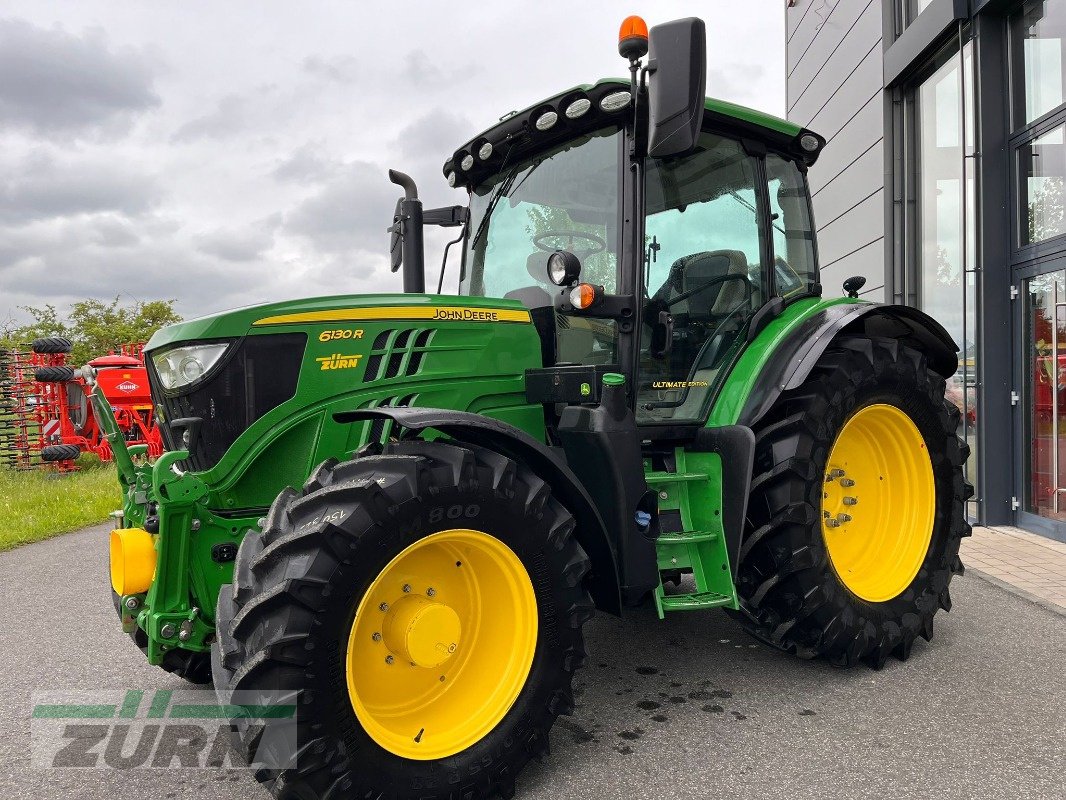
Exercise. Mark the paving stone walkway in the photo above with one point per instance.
(1029, 565)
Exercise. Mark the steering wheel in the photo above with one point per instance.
(541, 240)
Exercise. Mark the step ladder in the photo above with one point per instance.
(695, 491)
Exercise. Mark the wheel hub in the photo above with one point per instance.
(441, 644)
(878, 502)
(420, 631)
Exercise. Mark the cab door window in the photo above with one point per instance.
(703, 271)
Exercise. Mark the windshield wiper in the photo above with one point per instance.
(504, 187)
(497, 194)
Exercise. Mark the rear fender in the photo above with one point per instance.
(516, 444)
(794, 359)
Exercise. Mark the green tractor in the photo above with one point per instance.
(403, 508)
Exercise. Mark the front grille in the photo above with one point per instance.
(261, 374)
(397, 353)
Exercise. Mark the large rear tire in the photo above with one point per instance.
(857, 508)
(425, 606)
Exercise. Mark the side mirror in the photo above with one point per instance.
(677, 78)
(395, 239)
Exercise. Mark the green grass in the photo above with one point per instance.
(38, 505)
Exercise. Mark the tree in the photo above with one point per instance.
(94, 327)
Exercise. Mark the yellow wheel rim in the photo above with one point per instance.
(878, 502)
(442, 644)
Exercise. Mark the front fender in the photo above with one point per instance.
(795, 357)
(516, 444)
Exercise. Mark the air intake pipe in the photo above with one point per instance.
(406, 246)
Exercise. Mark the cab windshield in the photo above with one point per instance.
(562, 199)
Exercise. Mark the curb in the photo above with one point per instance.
(1017, 591)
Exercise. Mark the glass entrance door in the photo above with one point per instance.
(1045, 341)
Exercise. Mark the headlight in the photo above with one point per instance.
(184, 365)
(563, 268)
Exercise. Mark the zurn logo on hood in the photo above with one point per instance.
(339, 361)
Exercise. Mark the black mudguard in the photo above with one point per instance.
(793, 361)
(481, 431)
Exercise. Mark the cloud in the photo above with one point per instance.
(238, 246)
(342, 69)
(56, 83)
(231, 114)
(349, 213)
(306, 164)
(42, 186)
(420, 70)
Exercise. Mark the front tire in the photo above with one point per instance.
(289, 623)
(857, 508)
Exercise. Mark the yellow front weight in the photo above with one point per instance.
(132, 561)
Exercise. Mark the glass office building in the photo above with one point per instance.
(943, 184)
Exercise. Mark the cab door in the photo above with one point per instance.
(704, 274)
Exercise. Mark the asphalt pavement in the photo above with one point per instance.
(686, 708)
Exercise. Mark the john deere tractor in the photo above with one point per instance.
(403, 508)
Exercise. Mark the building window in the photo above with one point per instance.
(941, 229)
(910, 10)
(1042, 166)
(1038, 55)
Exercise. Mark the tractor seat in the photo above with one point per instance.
(691, 271)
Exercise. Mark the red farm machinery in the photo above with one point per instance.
(46, 418)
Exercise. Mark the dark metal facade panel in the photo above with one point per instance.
(923, 35)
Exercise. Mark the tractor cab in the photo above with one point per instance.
(647, 228)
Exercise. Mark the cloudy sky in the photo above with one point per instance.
(229, 153)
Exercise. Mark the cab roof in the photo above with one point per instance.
(517, 134)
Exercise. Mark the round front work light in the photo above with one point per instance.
(467, 162)
(616, 101)
(563, 267)
(451, 179)
(485, 151)
(546, 121)
(578, 108)
(809, 142)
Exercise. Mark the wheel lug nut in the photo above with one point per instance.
(389, 659)
(406, 588)
(844, 517)
(376, 637)
(384, 607)
(847, 483)
(430, 592)
(831, 522)
(850, 501)
(836, 473)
